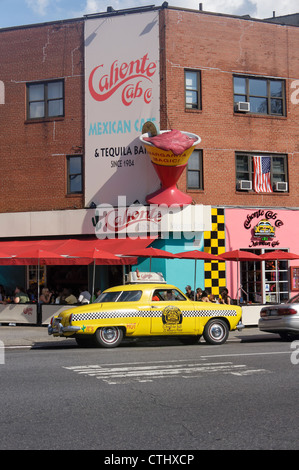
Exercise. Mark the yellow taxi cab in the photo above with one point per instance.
(136, 310)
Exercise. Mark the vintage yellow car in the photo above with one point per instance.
(137, 310)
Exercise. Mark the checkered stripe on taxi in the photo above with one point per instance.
(150, 313)
(209, 313)
(106, 314)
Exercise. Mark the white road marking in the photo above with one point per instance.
(248, 354)
(124, 372)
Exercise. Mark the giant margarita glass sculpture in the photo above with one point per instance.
(169, 152)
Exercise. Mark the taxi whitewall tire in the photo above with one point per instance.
(216, 331)
(108, 336)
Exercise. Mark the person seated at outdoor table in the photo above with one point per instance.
(198, 295)
(204, 296)
(58, 296)
(96, 294)
(31, 295)
(67, 297)
(224, 298)
(189, 292)
(2, 295)
(45, 297)
(20, 296)
(84, 297)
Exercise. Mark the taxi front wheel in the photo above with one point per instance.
(216, 331)
(108, 337)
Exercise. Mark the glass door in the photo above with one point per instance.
(264, 282)
(251, 281)
(276, 281)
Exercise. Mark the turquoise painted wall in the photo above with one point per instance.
(176, 271)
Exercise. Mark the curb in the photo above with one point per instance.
(38, 338)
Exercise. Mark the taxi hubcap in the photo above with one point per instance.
(217, 332)
(109, 335)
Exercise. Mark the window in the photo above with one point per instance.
(264, 282)
(276, 279)
(45, 99)
(192, 89)
(120, 296)
(74, 174)
(265, 95)
(194, 173)
(278, 171)
(167, 295)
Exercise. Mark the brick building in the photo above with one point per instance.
(227, 52)
(231, 80)
(36, 144)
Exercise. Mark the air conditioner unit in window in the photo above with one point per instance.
(243, 106)
(280, 186)
(244, 185)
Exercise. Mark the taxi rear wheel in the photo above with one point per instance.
(216, 331)
(108, 336)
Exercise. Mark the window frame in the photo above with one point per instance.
(120, 296)
(199, 152)
(160, 295)
(258, 285)
(268, 95)
(250, 172)
(70, 175)
(196, 90)
(46, 100)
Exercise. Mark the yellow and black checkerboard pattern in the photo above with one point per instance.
(214, 242)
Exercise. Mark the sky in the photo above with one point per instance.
(23, 12)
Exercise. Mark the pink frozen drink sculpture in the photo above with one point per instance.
(169, 152)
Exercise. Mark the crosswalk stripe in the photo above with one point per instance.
(141, 373)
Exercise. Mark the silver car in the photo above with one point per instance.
(282, 319)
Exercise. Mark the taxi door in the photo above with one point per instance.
(171, 313)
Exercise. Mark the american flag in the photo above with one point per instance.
(262, 179)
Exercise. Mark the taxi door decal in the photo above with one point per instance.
(172, 318)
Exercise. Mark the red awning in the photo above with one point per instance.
(65, 247)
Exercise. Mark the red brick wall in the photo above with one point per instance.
(220, 46)
(33, 154)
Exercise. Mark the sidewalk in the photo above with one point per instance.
(26, 336)
(37, 336)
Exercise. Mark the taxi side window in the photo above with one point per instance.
(120, 296)
(130, 296)
(157, 296)
(167, 294)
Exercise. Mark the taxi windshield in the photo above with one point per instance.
(119, 296)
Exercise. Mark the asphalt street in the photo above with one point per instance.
(148, 395)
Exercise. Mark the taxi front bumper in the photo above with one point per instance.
(59, 329)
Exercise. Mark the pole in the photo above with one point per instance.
(238, 292)
(38, 304)
(194, 280)
(38, 288)
(93, 279)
